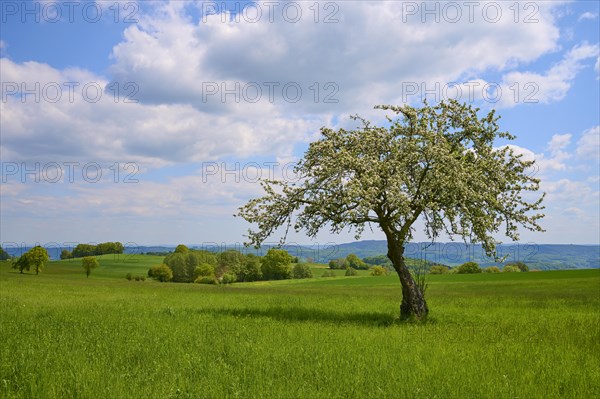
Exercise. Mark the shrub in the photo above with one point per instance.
(351, 272)
(207, 280)
(249, 270)
(511, 269)
(228, 278)
(277, 265)
(438, 269)
(492, 269)
(143, 278)
(301, 270)
(338, 263)
(204, 270)
(469, 268)
(379, 271)
(89, 263)
(355, 262)
(522, 266)
(137, 278)
(162, 273)
(328, 273)
(128, 276)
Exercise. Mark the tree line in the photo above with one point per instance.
(186, 265)
(83, 250)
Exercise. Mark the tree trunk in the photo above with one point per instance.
(413, 301)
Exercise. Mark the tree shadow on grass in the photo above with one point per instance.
(300, 314)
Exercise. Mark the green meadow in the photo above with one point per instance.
(507, 335)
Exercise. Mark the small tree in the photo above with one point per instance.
(35, 258)
(228, 278)
(204, 270)
(89, 263)
(522, 266)
(182, 264)
(301, 270)
(491, 269)
(328, 273)
(511, 269)
(207, 280)
(469, 268)
(351, 272)
(438, 269)
(250, 270)
(230, 261)
(277, 265)
(355, 262)
(3, 254)
(162, 273)
(65, 254)
(379, 271)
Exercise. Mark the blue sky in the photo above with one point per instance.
(174, 154)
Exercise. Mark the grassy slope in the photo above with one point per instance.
(490, 335)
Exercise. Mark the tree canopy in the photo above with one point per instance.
(89, 263)
(438, 164)
(35, 258)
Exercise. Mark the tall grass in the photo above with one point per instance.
(520, 335)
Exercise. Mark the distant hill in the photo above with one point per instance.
(537, 256)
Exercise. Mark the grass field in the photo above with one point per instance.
(513, 335)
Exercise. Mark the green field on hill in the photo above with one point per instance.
(507, 335)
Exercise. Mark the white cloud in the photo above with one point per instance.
(574, 211)
(110, 129)
(559, 142)
(548, 87)
(526, 154)
(587, 15)
(588, 146)
(370, 54)
(566, 193)
(174, 61)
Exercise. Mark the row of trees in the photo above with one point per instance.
(37, 257)
(83, 250)
(350, 261)
(185, 265)
(473, 268)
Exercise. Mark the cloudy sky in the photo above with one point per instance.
(150, 122)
